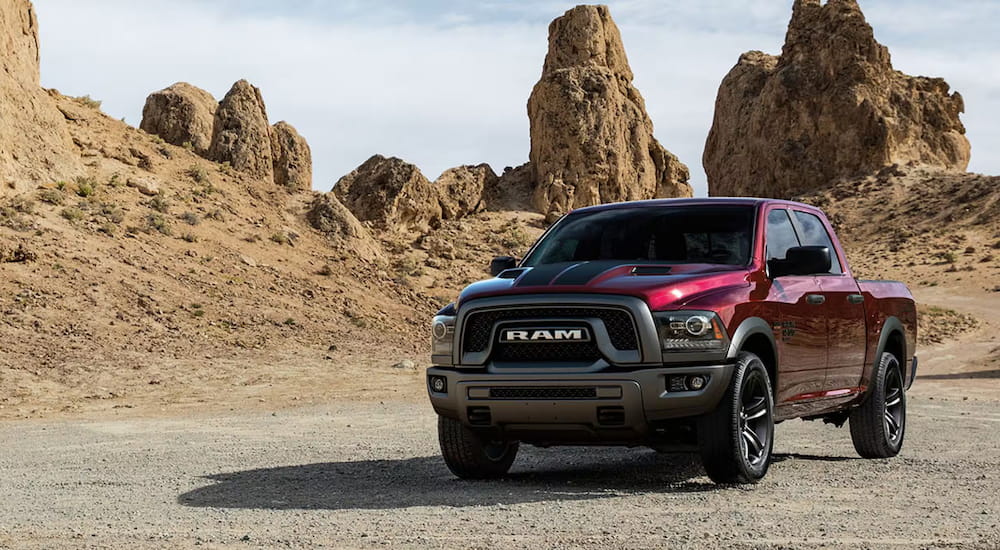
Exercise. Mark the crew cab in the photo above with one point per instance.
(682, 324)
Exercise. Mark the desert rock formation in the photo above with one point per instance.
(591, 138)
(35, 146)
(460, 189)
(242, 134)
(830, 107)
(292, 158)
(181, 114)
(390, 193)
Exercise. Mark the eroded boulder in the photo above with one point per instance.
(182, 115)
(460, 189)
(241, 133)
(391, 194)
(292, 158)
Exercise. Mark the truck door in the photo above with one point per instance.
(800, 327)
(844, 309)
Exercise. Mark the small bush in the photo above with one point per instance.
(61, 185)
(281, 238)
(198, 313)
(970, 250)
(197, 173)
(188, 145)
(326, 270)
(73, 214)
(115, 181)
(156, 222)
(111, 213)
(51, 196)
(516, 238)
(191, 218)
(947, 257)
(190, 237)
(290, 322)
(86, 187)
(23, 205)
(160, 204)
(88, 101)
(216, 215)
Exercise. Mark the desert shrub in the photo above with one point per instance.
(326, 270)
(191, 218)
(281, 238)
(190, 237)
(23, 205)
(197, 173)
(51, 196)
(216, 215)
(115, 181)
(88, 101)
(948, 257)
(156, 222)
(111, 213)
(516, 238)
(86, 187)
(73, 213)
(160, 204)
(108, 228)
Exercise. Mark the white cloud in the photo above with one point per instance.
(445, 82)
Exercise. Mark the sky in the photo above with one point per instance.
(442, 83)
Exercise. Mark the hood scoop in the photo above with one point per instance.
(651, 270)
(511, 273)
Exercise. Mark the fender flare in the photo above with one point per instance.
(891, 324)
(750, 327)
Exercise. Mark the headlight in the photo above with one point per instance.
(691, 331)
(442, 339)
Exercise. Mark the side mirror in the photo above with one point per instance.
(501, 264)
(802, 260)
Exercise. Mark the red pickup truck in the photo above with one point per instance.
(691, 324)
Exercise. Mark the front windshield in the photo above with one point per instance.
(665, 234)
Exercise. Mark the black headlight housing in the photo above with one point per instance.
(691, 336)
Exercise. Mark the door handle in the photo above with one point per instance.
(815, 299)
(855, 298)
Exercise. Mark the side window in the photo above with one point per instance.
(814, 234)
(780, 235)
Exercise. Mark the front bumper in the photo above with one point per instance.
(575, 407)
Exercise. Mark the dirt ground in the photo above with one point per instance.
(311, 459)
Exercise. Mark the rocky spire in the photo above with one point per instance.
(591, 138)
(830, 107)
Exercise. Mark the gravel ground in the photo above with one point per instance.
(369, 475)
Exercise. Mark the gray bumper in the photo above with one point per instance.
(597, 406)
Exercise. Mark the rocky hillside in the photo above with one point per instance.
(829, 107)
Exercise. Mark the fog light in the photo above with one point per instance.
(439, 384)
(696, 383)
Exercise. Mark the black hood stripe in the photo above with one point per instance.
(542, 275)
(585, 272)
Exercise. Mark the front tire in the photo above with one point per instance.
(737, 437)
(470, 455)
(879, 424)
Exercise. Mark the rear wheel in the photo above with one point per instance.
(471, 455)
(879, 424)
(737, 437)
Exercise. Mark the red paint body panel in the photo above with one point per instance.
(825, 352)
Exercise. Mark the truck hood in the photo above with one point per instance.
(661, 286)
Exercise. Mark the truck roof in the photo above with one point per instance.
(747, 201)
